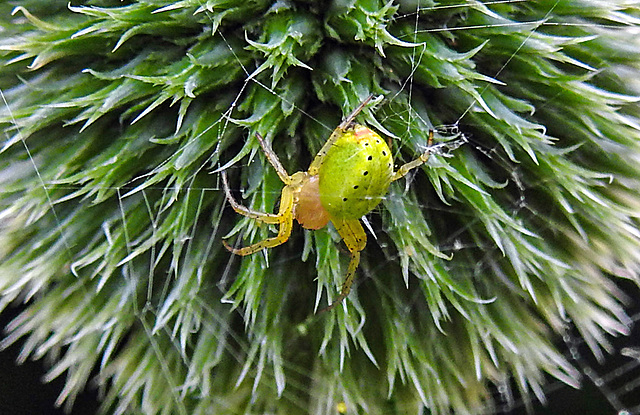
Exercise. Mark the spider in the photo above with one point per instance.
(346, 180)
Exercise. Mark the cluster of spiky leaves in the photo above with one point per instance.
(118, 114)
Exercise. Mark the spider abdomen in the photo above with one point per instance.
(355, 173)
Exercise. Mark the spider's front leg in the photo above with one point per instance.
(354, 237)
(284, 218)
(405, 168)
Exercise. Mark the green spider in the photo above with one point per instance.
(348, 177)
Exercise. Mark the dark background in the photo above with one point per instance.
(23, 393)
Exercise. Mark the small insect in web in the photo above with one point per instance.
(347, 179)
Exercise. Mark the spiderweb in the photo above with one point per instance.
(608, 386)
(614, 377)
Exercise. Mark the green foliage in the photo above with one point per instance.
(118, 116)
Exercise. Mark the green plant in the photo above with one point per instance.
(118, 117)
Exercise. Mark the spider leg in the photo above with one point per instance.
(344, 124)
(274, 160)
(284, 218)
(317, 161)
(354, 237)
(405, 168)
(314, 167)
(261, 216)
(282, 173)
